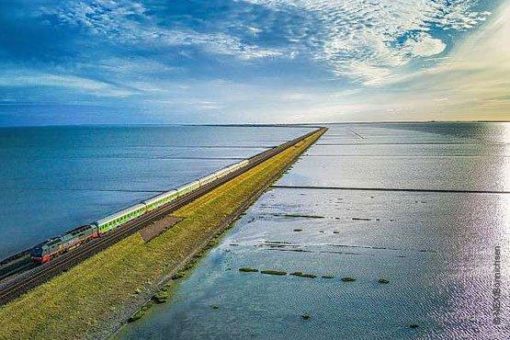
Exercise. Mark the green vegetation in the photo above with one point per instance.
(248, 270)
(348, 279)
(93, 295)
(161, 296)
(297, 216)
(273, 272)
(178, 275)
(301, 274)
(139, 314)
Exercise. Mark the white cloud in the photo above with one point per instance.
(33, 78)
(129, 22)
(472, 83)
(217, 43)
(371, 43)
(359, 39)
(423, 45)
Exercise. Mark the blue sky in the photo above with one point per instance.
(261, 61)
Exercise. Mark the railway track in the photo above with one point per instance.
(13, 287)
(19, 268)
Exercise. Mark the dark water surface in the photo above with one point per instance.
(55, 178)
(445, 254)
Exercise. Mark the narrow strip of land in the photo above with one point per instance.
(21, 280)
(390, 189)
(220, 146)
(357, 134)
(408, 156)
(93, 298)
(416, 143)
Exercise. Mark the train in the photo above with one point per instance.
(56, 246)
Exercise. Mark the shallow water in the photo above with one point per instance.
(55, 178)
(465, 157)
(440, 251)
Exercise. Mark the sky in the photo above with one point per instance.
(253, 61)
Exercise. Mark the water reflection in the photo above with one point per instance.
(438, 251)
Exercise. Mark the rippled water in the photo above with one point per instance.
(410, 156)
(55, 178)
(445, 254)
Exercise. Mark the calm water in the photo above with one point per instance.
(441, 252)
(55, 178)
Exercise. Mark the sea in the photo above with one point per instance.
(402, 229)
(55, 178)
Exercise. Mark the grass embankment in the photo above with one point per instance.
(92, 295)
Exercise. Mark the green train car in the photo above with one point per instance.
(162, 199)
(111, 222)
(56, 246)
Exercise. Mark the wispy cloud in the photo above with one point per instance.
(472, 83)
(130, 22)
(367, 40)
(360, 39)
(29, 78)
(423, 45)
(259, 60)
